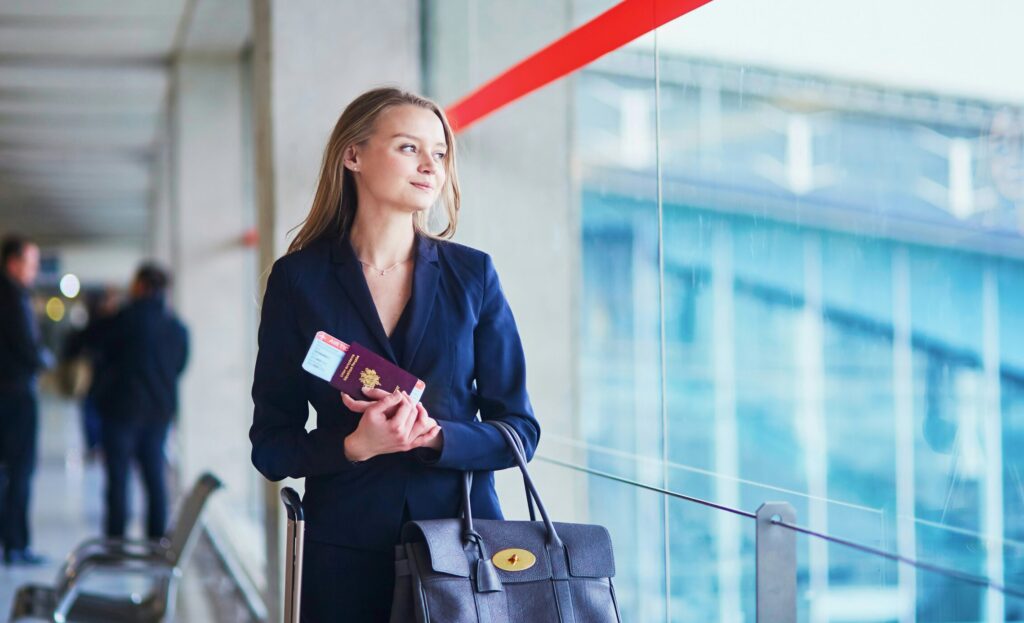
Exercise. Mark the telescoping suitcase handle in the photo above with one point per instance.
(293, 556)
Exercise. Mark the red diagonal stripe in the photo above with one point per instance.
(607, 32)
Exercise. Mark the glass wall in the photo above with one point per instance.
(800, 278)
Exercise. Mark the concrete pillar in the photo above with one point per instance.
(993, 507)
(214, 289)
(729, 530)
(903, 407)
(310, 59)
(161, 226)
(811, 422)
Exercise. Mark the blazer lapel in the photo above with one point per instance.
(350, 274)
(424, 293)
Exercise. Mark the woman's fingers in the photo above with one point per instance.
(352, 404)
(385, 404)
(426, 437)
(376, 393)
(424, 417)
(405, 417)
(400, 424)
(423, 422)
(355, 404)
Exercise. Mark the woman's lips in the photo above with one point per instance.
(425, 187)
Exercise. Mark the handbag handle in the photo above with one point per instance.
(511, 436)
(519, 446)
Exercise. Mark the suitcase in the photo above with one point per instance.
(293, 555)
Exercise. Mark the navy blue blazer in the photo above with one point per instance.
(461, 339)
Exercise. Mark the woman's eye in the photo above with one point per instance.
(408, 145)
(439, 155)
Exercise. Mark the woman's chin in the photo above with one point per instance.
(409, 208)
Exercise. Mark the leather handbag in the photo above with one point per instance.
(492, 571)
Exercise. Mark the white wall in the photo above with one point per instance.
(101, 264)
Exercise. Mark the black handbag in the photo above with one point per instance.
(492, 571)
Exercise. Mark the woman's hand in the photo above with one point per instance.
(390, 423)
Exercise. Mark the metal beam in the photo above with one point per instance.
(776, 564)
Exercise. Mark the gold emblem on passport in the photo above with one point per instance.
(513, 559)
(369, 378)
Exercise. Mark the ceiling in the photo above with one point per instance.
(84, 92)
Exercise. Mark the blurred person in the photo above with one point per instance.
(101, 306)
(143, 350)
(22, 357)
(365, 269)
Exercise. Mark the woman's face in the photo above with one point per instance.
(401, 165)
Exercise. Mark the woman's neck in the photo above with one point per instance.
(382, 242)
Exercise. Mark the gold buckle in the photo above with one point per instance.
(514, 559)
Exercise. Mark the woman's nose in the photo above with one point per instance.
(427, 164)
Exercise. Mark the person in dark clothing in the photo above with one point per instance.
(21, 359)
(76, 345)
(144, 348)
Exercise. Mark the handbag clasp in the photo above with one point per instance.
(514, 559)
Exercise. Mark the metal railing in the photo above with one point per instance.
(776, 560)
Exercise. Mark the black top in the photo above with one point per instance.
(397, 337)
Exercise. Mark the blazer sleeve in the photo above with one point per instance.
(501, 390)
(281, 446)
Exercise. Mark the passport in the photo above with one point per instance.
(352, 367)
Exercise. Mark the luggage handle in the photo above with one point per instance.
(293, 563)
(292, 504)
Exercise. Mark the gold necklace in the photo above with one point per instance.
(384, 271)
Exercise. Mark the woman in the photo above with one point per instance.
(365, 269)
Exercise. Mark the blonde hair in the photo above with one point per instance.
(334, 205)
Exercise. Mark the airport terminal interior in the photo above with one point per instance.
(757, 252)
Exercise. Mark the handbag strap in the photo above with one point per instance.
(511, 436)
(485, 577)
(519, 445)
(469, 534)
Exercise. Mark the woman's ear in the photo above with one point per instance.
(351, 158)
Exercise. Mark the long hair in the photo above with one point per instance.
(334, 205)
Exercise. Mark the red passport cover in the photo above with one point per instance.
(350, 368)
(362, 367)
